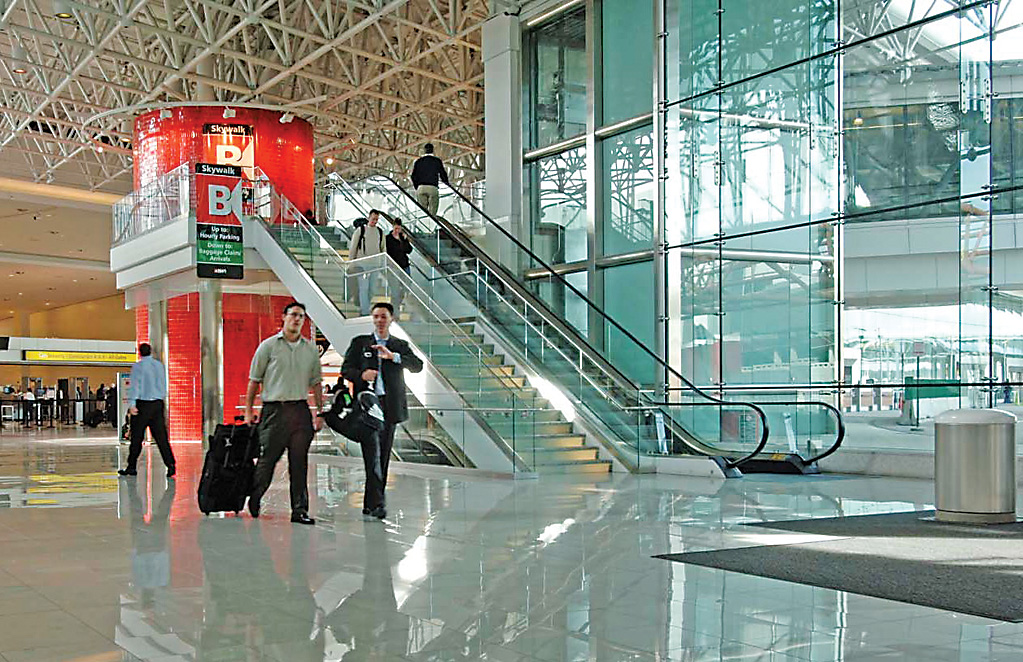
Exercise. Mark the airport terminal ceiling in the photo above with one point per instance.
(377, 78)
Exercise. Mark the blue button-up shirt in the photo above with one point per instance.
(148, 381)
(378, 386)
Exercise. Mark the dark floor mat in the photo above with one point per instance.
(963, 568)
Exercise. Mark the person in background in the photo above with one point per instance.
(427, 174)
(29, 406)
(286, 366)
(146, 405)
(398, 248)
(366, 241)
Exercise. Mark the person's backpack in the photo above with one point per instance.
(359, 222)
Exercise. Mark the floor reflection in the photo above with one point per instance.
(507, 570)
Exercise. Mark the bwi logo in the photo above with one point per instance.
(224, 200)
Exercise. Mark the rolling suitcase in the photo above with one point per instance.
(229, 468)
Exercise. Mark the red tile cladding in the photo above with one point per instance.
(248, 319)
(184, 389)
(141, 324)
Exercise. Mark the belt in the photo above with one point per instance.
(285, 402)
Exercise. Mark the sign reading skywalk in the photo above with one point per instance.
(219, 249)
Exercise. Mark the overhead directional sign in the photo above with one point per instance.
(219, 245)
(43, 356)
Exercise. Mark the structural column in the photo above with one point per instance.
(211, 355)
(157, 324)
(502, 86)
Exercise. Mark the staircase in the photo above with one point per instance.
(514, 410)
(498, 397)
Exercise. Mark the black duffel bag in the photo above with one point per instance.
(357, 418)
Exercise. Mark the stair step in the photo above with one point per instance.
(527, 440)
(473, 370)
(491, 360)
(538, 415)
(547, 456)
(453, 349)
(557, 432)
(479, 378)
(589, 467)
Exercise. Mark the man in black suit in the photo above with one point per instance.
(377, 362)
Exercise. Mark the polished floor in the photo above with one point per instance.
(97, 568)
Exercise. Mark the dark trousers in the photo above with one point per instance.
(284, 426)
(376, 457)
(151, 415)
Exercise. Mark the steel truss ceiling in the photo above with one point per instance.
(377, 78)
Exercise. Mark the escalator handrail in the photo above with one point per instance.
(541, 308)
(839, 419)
(840, 434)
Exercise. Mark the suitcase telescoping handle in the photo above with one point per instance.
(230, 441)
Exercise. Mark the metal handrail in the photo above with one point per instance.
(839, 419)
(570, 334)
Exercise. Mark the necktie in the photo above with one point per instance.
(378, 385)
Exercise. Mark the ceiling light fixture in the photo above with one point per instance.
(329, 160)
(19, 56)
(229, 113)
(61, 9)
(858, 120)
(286, 118)
(554, 12)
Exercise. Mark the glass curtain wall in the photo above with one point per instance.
(556, 80)
(933, 302)
(615, 39)
(840, 193)
(842, 199)
(751, 197)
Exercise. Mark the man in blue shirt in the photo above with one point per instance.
(146, 402)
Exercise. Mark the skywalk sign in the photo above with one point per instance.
(219, 249)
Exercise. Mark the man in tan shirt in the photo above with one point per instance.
(366, 241)
(287, 366)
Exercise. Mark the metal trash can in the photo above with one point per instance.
(975, 466)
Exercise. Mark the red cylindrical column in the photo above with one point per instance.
(201, 134)
(252, 138)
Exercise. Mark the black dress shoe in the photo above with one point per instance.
(171, 471)
(127, 472)
(302, 518)
(254, 507)
(379, 512)
(367, 511)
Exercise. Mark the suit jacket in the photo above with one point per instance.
(360, 357)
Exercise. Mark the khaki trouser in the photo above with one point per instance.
(429, 197)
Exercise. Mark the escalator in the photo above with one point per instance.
(633, 421)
